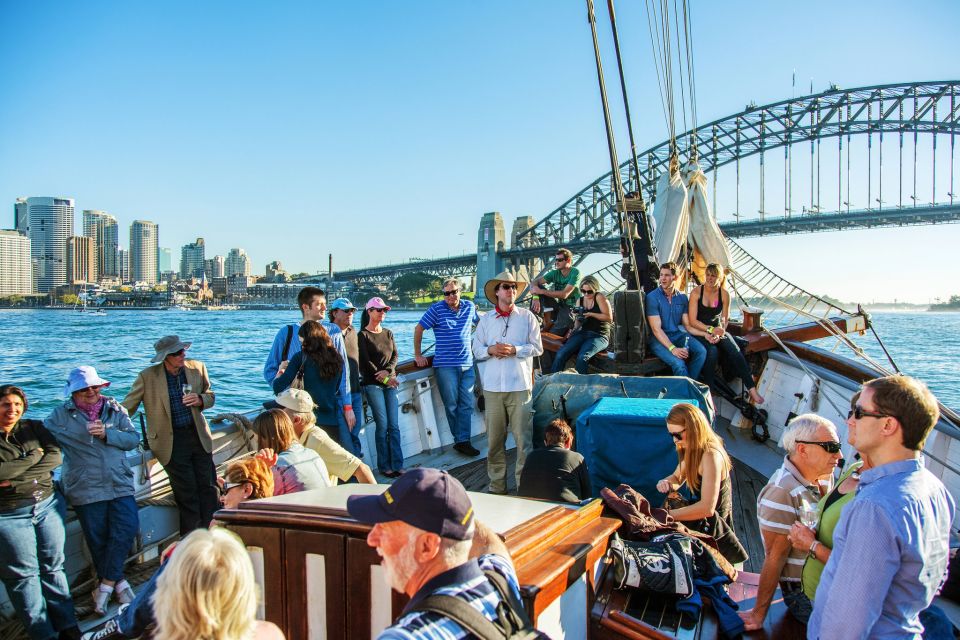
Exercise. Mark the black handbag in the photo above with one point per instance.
(663, 565)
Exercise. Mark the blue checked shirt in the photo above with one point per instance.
(467, 582)
(181, 415)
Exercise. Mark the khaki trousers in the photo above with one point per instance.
(501, 407)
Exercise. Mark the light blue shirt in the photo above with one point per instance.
(890, 555)
(276, 352)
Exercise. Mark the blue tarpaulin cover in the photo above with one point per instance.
(625, 440)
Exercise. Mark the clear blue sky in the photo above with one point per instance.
(381, 131)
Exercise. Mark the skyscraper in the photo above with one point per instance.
(80, 260)
(143, 252)
(192, 259)
(21, 216)
(16, 274)
(238, 263)
(164, 260)
(50, 222)
(102, 228)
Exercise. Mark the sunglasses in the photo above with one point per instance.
(858, 413)
(507, 286)
(226, 486)
(451, 293)
(677, 435)
(560, 259)
(587, 292)
(829, 446)
(378, 309)
(177, 354)
(95, 389)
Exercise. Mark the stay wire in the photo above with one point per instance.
(683, 97)
(691, 69)
(657, 58)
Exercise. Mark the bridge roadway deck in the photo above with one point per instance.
(780, 225)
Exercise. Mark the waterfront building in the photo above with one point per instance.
(164, 260)
(123, 264)
(80, 260)
(21, 217)
(16, 273)
(238, 263)
(144, 238)
(192, 259)
(103, 229)
(275, 272)
(215, 267)
(50, 222)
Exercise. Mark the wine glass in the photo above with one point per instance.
(809, 515)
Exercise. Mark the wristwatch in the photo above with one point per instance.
(812, 552)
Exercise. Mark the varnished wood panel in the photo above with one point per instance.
(332, 547)
(274, 598)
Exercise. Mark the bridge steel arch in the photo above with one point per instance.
(589, 215)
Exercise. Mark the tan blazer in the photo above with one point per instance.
(150, 388)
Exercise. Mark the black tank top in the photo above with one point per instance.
(710, 316)
(594, 324)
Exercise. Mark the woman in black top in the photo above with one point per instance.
(709, 313)
(31, 528)
(705, 469)
(378, 374)
(591, 331)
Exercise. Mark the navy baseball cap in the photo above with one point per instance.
(428, 499)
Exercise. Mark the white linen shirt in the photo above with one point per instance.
(519, 329)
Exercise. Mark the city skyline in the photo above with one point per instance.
(381, 133)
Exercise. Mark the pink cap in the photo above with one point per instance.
(377, 302)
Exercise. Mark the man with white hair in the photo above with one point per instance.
(298, 405)
(813, 451)
(434, 550)
(891, 545)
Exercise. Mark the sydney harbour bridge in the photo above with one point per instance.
(818, 161)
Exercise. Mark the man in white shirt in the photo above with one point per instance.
(504, 345)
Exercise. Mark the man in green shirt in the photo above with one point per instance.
(559, 286)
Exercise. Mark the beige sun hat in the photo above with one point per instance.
(519, 277)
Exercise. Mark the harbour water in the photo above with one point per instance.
(41, 346)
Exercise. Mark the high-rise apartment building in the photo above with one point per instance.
(144, 247)
(16, 274)
(215, 267)
(80, 260)
(192, 259)
(50, 222)
(102, 228)
(123, 265)
(238, 263)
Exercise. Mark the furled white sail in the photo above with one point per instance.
(704, 234)
(670, 214)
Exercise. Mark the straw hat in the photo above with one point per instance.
(518, 277)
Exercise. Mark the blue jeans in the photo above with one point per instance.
(690, 367)
(350, 440)
(31, 568)
(110, 527)
(456, 390)
(585, 344)
(386, 413)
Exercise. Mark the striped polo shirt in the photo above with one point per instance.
(778, 507)
(452, 332)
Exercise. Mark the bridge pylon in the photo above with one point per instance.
(491, 242)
